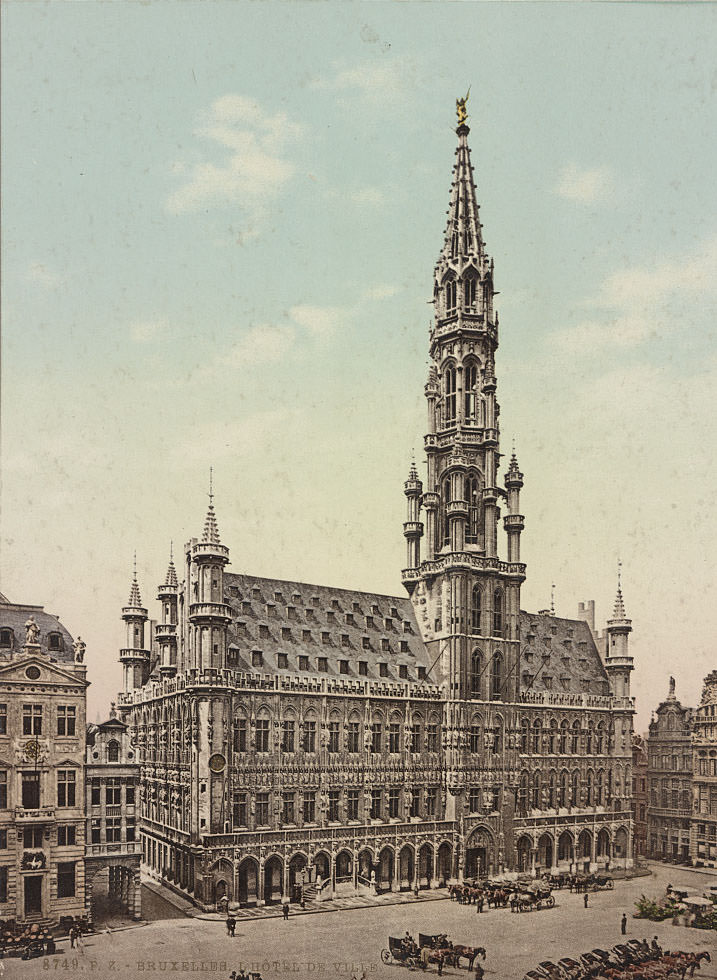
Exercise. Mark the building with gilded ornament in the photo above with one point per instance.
(42, 748)
(669, 777)
(301, 739)
(703, 836)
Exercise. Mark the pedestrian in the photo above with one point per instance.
(229, 925)
(286, 911)
(73, 936)
(623, 924)
(585, 899)
(78, 940)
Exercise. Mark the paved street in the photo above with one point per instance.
(339, 944)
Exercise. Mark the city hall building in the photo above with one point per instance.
(301, 740)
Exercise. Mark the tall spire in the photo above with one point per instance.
(463, 238)
(211, 529)
(619, 610)
(135, 599)
(171, 578)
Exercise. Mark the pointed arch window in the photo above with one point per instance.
(451, 296)
(552, 789)
(469, 293)
(113, 751)
(472, 495)
(575, 788)
(563, 794)
(476, 671)
(471, 392)
(446, 499)
(496, 677)
(497, 613)
(449, 395)
(475, 610)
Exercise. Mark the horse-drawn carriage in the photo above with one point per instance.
(592, 882)
(27, 942)
(532, 897)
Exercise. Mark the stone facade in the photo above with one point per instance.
(703, 837)
(113, 842)
(303, 740)
(640, 796)
(669, 776)
(42, 742)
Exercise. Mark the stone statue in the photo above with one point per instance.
(672, 686)
(79, 647)
(33, 632)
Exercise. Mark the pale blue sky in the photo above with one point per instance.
(220, 224)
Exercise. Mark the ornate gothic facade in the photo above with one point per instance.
(297, 738)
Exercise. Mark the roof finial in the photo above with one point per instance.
(552, 599)
(461, 108)
(113, 712)
(619, 610)
(171, 578)
(211, 530)
(135, 599)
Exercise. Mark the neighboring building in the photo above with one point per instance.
(703, 843)
(113, 850)
(297, 736)
(42, 748)
(669, 776)
(640, 796)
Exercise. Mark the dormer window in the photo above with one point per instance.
(277, 596)
(296, 598)
(344, 639)
(403, 645)
(403, 671)
(5, 638)
(389, 623)
(349, 619)
(357, 607)
(257, 658)
(54, 641)
(394, 612)
(335, 604)
(369, 620)
(113, 751)
(385, 644)
(407, 626)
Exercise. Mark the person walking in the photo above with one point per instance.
(229, 925)
(73, 936)
(623, 924)
(285, 909)
(585, 899)
(78, 940)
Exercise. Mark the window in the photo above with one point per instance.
(309, 739)
(496, 677)
(3, 840)
(431, 798)
(31, 791)
(262, 734)
(415, 809)
(403, 671)
(32, 837)
(475, 738)
(394, 745)
(306, 635)
(5, 638)
(415, 738)
(475, 610)
(432, 737)
(262, 809)
(65, 836)
(369, 620)
(469, 293)
(3, 719)
(112, 792)
(113, 828)
(366, 642)
(282, 660)
(344, 639)
(333, 736)
(303, 663)
(240, 734)
(113, 750)
(3, 789)
(96, 832)
(403, 646)
(287, 736)
(421, 673)
(375, 804)
(353, 736)
(130, 828)
(449, 394)
(383, 670)
(257, 658)
(376, 728)
(309, 806)
(333, 805)
(474, 799)
(497, 613)
(65, 879)
(95, 792)
(451, 294)
(394, 795)
(287, 813)
(322, 664)
(286, 632)
(352, 804)
(239, 810)
(385, 645)
(476, 672)
(471, 393)
(32, 719)
(343, 666)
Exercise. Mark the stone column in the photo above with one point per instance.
(260, 884)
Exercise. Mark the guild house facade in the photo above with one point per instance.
(42, 749)
(300, 739)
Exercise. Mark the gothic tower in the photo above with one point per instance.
(134, 656)
(467, 599)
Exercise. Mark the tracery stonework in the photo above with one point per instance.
(365, 741)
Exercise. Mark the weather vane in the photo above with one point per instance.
(461, 108)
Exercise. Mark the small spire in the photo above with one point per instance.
(552, 599)
(413, 472)
(619, 610)
(113, 713)
(171, 578)
(463, 237)
(211, 529)
(135, 599)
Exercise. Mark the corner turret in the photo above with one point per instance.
(134, 657)
(618, 662)
(166, 631)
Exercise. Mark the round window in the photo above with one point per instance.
(32, 672)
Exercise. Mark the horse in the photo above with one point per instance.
(469, 952)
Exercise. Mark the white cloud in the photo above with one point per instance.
(318, 321)
(584, 186)
(380, 291)
(263, 344)
(255, 168)
(376, 81)
(143, 331)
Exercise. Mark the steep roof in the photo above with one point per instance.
(13, 616)
(559, 655)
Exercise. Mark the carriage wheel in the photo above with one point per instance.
(385, 956)
(610, 883)
(550, 902)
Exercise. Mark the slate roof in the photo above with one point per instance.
(13, 616)
(319, 623)
(559, 655)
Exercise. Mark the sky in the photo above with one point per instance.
(220, 222)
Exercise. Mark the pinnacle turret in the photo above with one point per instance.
(171, 579)
(210, 534)
(135, 599)
(619, 610)
(463, 238)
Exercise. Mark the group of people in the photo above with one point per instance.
(241, 975)
(75, 935)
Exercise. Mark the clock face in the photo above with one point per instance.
(217, 762)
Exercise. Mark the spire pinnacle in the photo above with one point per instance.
(463, 237)
(211, 529)
(552, 599)
(619, 610)
(135, 599)
(171, 578)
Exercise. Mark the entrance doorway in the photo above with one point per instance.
(475, 862)
(33, 895)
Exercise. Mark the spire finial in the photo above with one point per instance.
(211, 530)
(552, 599)
(135, 599)
(619, 610)
(171, 578)
(461, 111)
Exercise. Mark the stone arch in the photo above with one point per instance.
(425, 865)
(343, 866)
(444, 869)
(546, 851)
(406, 867)
(298, 876)
(480, 858)
(247, 891)
(366, 864)
(565, 847)
(620, 845)
(602, 845)
(322, 867)
(273, 879)
(384, 874)
(522, 852)
(584, 848)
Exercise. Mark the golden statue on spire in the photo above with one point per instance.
(461, 108)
